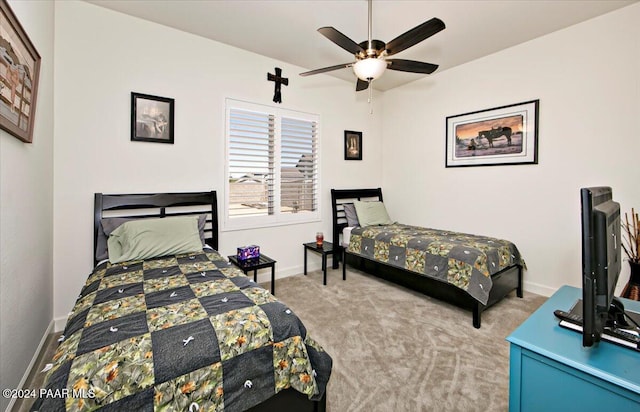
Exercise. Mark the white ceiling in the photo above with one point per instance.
(286, 30)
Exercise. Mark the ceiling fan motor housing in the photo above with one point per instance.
(377, 48)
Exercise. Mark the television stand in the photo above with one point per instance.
(617, 329)
(551, 370)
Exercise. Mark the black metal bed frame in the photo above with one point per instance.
(504, 282)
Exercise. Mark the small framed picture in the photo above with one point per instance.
(151, 118)
(506, 135)
(352, 145)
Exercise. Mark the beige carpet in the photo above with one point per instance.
(398, 350)
(394, 350)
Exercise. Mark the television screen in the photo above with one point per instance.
(600, 315)
(601, 259)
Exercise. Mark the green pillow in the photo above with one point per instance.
(109, 224)
(372, 213)
(148, 238)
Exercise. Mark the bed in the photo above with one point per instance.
(486, 279)
(185, 331)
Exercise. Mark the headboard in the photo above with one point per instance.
(338, 198)
(158, 205)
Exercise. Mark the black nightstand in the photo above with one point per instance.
(326, 249)
(262, 262)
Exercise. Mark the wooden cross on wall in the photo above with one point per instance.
(277, 95)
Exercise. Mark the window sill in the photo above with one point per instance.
(248, 225)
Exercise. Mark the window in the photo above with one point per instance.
(271, 166)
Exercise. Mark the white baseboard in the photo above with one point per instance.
(538, 289)
(264, 275)
(34, 359)
(59, 324)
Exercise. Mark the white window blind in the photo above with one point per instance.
(272, 166)
(251, 163)
(298, 166)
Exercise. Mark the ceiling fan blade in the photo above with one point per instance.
(411, 66)
(327, 69)
(415, 36)
(361, 85)
(341, 40)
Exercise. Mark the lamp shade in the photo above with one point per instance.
(370, 68)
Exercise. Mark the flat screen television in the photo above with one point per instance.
(601, 263)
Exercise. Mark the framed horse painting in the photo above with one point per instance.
(506, 135)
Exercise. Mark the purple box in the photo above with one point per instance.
(248, 252)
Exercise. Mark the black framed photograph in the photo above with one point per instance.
(352, 145)
(19, 73)
(506, 135)
(151, 118)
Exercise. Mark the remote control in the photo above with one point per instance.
(628, 336)
(617, 336)
(569, 317)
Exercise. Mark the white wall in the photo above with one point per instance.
(102, 56)
(26, 229)
(587, 78)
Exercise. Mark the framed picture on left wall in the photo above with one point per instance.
(19, 73)
(151, 118)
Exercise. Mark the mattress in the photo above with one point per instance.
(346, 236)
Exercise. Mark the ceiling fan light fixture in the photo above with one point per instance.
(370, 68)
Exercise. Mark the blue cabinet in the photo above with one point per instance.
(550, 370)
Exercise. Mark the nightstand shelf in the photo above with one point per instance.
(262, 262)
(325, 250)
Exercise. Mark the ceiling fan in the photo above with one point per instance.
(371, 55)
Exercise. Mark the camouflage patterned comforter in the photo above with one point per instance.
(180, 333)
(466, 261)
